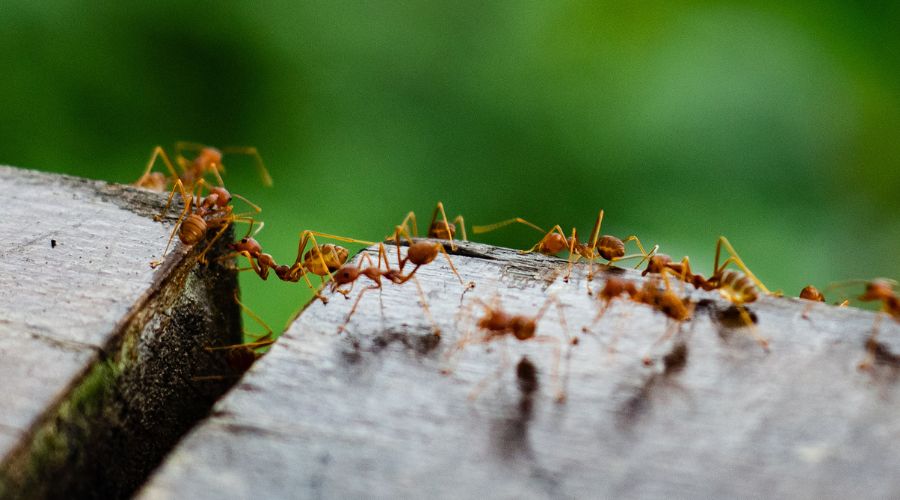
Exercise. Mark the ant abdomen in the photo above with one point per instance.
(738, 287)
(610, 247)
(193, 229)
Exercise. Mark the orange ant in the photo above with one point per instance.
(207, 161)
(737, 287)
(555, 241)
(321, 260)
(247, 246)
(442, 229)
(200, 214)
(350, 273)
(497, 323)
(420, 253)
(879, 290)
(812, 293)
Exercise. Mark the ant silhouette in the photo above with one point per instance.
(442, 229)
(555, 241)
(202, 213)
(208, 161)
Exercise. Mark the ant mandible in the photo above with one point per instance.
(207, 161)
(202, 213)
(442, 229)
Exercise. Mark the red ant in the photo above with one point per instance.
(737, 287)
(207, 161)
(555, 241)
(442, 229)
(879, 290)
(200, 214)
(497, 323)
(247, 246)
(321, 260)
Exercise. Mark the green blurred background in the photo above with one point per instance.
(774, 125)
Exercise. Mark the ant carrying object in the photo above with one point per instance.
(442, 229)
(202, 213)
(555, 241)
(497, 324)
(208, 161)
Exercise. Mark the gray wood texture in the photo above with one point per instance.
(98, 350)
(369, 413)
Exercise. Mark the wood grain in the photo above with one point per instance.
(98, 350)
(369, 413)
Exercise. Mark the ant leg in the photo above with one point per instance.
(269, 334)
(482, 384)
(671, 328)
(453, 268)
(339, 238)
(158, 152)
(424, 302)
(737, 260)
(187, 208)
(440, 208)
(747, 320)
(572, 258)
(871, 346)
(202, 257)
(458, 220)
(595, 233)
(260, 166)
(493, 227)
(410, 218)
(256, 208)
(353, 309)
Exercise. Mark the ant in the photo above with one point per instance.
(321, 260)
(879, 290)
(350, 273)
(555, 241)
(202, 213)
(241, 356)
(207, 161)
(247, 246)
(497, 323)
(812, 293)
(738, 287)
(438, 229)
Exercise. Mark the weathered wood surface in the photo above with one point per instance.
(368, 413)
(97, 349)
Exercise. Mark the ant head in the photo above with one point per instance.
(878, 289)
(554, 243)
(812, 293)
(423, 252)
(346, 274)
(610, 247)
(657, 263)
(210, 158)
(247, 244)
(222, 196)
(440, 231)
(523, 328)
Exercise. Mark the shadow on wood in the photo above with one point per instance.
(370, 413)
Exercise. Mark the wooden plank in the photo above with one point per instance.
(99, 350)
(369, 414)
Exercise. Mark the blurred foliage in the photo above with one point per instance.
(773, 124)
